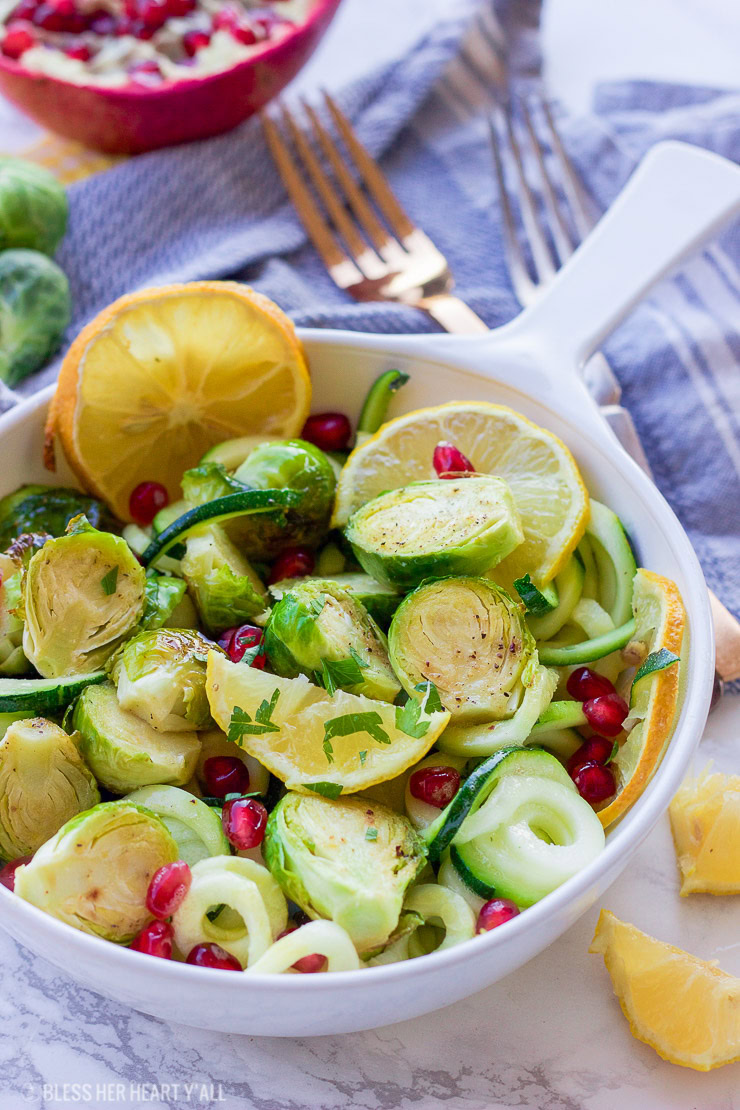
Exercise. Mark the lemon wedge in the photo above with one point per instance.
(705, 819)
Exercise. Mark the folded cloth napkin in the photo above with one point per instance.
(217, 209)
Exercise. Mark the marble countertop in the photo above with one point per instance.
(549, 1037)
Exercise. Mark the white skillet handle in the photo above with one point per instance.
(676, 199)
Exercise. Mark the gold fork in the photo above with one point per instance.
(369, 245)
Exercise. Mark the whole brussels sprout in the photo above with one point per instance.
(33, 207)
(161, 678)
(12, 656)
(34, 312)
(348, 860)
(124, 752)
(83, 593)
(43, 783)
(226, 589)
(318, 629)
(95, 872)
(470, 639)
(432, 529)
(47, 509)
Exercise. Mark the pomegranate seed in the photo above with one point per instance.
(447, 460)
(436, 786)
(225, 774)
(24, 10)
(309, 965)
(153, 13)
(102, 23)
(331, 431)
(494, 913)
(155, 939)
(595, 782)
(80, 52)
(144, 71)
(243, 821)
(148, 497)
(244, 35)
(606, 713)
(212, 955)
(142, 31)
(236, 641)
(59, 15)
(7, 872)
(179, 8)
(193, 41)
(17, 41)
(584, 684)
(597, 749)
(296, 562)
(168, 888)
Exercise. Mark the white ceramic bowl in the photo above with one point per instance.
(530, 366)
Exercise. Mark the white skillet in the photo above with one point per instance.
(677, 198)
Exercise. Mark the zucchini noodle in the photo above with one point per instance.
(482, 740)
(439, 905)
(322, 937)
(569, 584)
(449, 877)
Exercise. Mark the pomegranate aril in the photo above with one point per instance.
(448, 461)
(584, 684)
(310, 964)
(193, 41)
(80, 52)
(225, 774)
(155, 939)
(212, 955)
(7, 872)
(24, 10)
(17, 41)
(153, 13)
(145, 71)
(606, 714)
(244, 821)
(179, 8)
(168, 888)
(296, 562)
(597, 749)
(147, 500)
(237, 641)
(331, 431)
(436, 786)
(494, 913)
(595, 782)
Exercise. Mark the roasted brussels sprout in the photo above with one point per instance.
(94, 873)
(195, 827)
(318, 629)
(350, 861)
(161, 678)
(430, 529)
(380, 601)
(12, 656)
(47, 509)
(470, 639)
(206, 482)
(34, 312)
(43, 783)
(123, 751)
(83, 593)
(227, 591)
(163, 597)
(33, 207)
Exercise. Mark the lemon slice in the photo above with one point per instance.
(281, 722)
(688, 1010)
(705, 819)
(548, 489)
(660, 622)
(161, 375)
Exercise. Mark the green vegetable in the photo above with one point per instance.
(125, 752)
(615, 562)
(194, 826)
(38, 696)
(72, 625)
(380, 601)
(204, 483)
(318, 629)
(317, 850)
(537, 602)
(226, 589)
(554, 654)
(656, 661)
(163, 597)
(232, 452)
(34, 312)
(375, 409)
(12, 657)
(43, 783)
(161, 678)
(569, 586)
(47, 509)
(33, 207)
(432, 529)
(94, 873)
(469, 638)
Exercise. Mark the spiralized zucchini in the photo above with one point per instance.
(438, 905)
(569, 584)
(322, 937)
(258, 908)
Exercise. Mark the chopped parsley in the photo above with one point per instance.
(431, 702)
(349, 723)
(241, 723)
(339, 673)
(371, 834)
(109, 581)
(328, 751)
(316, 605)
(325, 789)
(408, 719)
(363, 757)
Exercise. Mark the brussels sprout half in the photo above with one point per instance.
(318, 629)
(43, 783)
(34, 312)
(226, 589)
(12, 656)
(33, 206)
(123, 751)
(164, 596)
(350, 861)
(431, 529)
(380, 601)
(94, 873)
(47, 509)
(470, 639)
(83, 593)
(161, 678)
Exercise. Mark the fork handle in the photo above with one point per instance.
(452, 314)
(726, 639)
